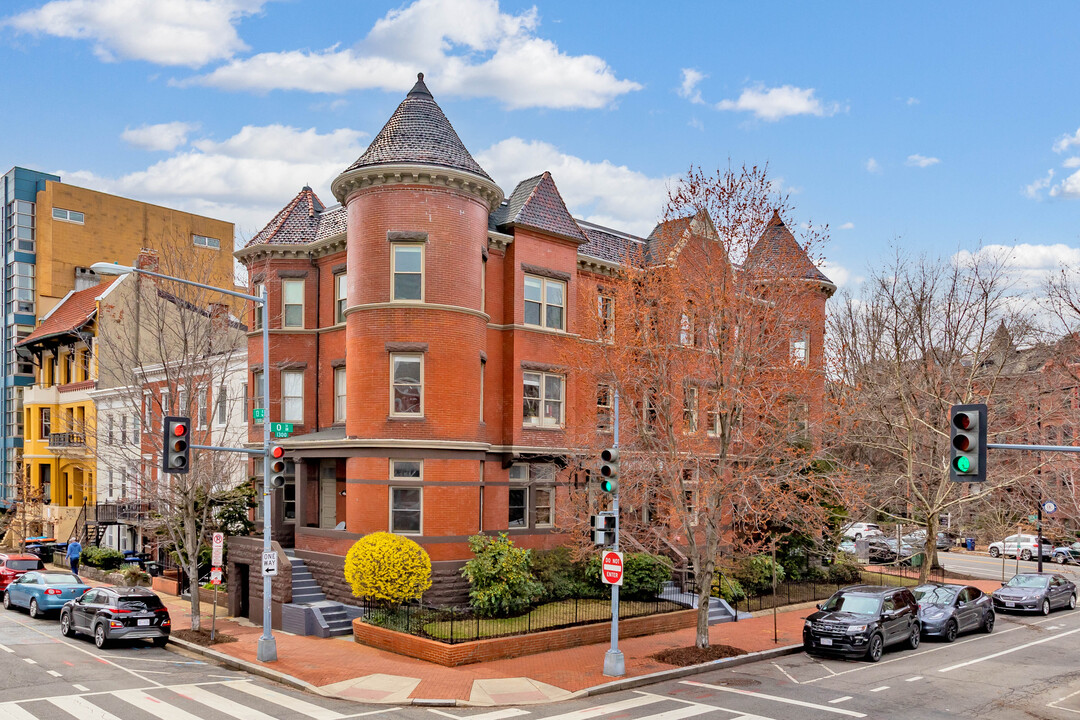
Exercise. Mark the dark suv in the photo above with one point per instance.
(861, 620)
(112, 613)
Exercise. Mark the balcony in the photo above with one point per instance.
(67, 441)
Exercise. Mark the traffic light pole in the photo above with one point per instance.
(614, 662)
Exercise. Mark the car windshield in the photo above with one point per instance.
(935, 595)
(23, 565)
(858, 604)
(61, 579)
(1028, 581)
(140, 603)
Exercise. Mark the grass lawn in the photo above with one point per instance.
(875, 578)
(548, 615)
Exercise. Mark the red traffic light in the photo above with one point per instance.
(962, 420)
(179, 429)
(277, 451)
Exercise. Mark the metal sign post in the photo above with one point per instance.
(614, 662)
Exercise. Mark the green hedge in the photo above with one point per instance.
(103, 558)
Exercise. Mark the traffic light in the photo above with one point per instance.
(609, 470)
(277, 467)
(603, 529)
(967, 425)
(176, 444)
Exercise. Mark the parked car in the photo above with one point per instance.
(886, 550)
(12, 565)
(1067, 554)
(918, 538)
(114, 613)
(946, 610)
(1026, 545)
(846, 546)
(856, 531)
(42, 592)
(1035, 592)
(861, 621)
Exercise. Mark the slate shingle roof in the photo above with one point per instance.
(418, 132)
(303, 220)
(536, 203)
(607, 244)
(70, 315)
(777, 247)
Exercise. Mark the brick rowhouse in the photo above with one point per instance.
(415, 332)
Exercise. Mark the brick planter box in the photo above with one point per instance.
(516, 645)
(169, 586)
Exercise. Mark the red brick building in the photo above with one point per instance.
(415, 336)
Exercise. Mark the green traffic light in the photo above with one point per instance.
(607, 486)
(962, 464)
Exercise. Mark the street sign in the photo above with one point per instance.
(258, 413)
(269, 563)
(216, 547)
(281, 434)
(1049, 507)
(1033, 518)
(281, 428)
(215, 576)
(611, 568)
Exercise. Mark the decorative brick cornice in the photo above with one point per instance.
(413, 347)
(499, 241)
(417, 236)
(541, 367)
(545, 272)
(415, 174)
(337, 363)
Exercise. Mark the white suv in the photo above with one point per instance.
(1024, 544)
(856, 531)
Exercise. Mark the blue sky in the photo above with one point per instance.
(936, 129)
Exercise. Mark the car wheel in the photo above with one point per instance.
(858, 536)
(1046, 606)
(1072, 601)
(99, 636)
(35, 611)
(988, 623)
(877, 645)
(994, 552)
(1025, 555)
(915, 637)
(1059, 559)
(7, 600)
(160, 642)
(951, 630)
(65, 625)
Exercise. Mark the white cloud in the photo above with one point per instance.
(1072, 162)
(600, 192)
(1034, 190)
(873, 166)
(696, 124)
(1067, 141)
(848, 226)
(166, 32)
(772, 104)
(921, 161)
(163, 136)
(689, 88)
(913, 101)
(840, 275)
(1027, 263)
(467, 48)
(1067, 188)
(246, 178)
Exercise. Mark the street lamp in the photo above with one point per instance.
(267, 648)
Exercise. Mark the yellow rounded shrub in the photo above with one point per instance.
(387, 568)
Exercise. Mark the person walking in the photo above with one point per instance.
(74, 551)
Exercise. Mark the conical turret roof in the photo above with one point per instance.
(778, 248)
(419, 133)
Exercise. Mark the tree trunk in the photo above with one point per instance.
(704, 580)
(929, 546)
(191, 551)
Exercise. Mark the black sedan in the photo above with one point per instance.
(113, 613)
(1035, 592)
(946, 610)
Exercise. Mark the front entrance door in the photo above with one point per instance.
(328, 502)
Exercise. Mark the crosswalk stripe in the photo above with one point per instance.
(686, 711)
(154, 706)
(219, 703)
(774, 698)
(11, 711)
(614, 707)
(285, 701)
(82, 708)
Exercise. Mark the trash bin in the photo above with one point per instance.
(970, 543)
(917, 560)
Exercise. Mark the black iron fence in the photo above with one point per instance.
(457, 625)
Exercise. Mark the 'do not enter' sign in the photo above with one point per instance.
(611, 567)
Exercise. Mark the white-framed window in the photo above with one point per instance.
(545, 302)
(109, 435)
(123, 429)
(257, 395)
(200, 406)
(406, 470)
(166, 407)
(406, 384)
(800, 347)
(690, 409)
(604, 409)
(605, 311)
(222, 413)
(519, 472)
(206, 242)
(518, 507)
(257, 310)
(341, 296)
(544, 506)
(292, 303)
(406, 271)
(687, 333)
(712, 421)
(73, 216)
(339, 394)
(292, 396)
(406, 510)
(148, 409)
(135, 428)
(46, 423)
(542, 399)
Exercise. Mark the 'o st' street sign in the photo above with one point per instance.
(611, 567)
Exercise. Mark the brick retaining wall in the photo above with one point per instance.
(516, 645)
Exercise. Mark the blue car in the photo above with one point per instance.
(43, 591)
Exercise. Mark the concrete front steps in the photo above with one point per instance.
(719, 610)
(310, 613)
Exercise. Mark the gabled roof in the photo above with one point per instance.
(419, 133)
(536, 203)
(295, 224)
(778, 248)
(607, 244)
(70, 315)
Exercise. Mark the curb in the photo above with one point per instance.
(246, 666)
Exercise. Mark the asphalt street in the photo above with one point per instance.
(984, 566)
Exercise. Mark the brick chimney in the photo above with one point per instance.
(148, 260)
